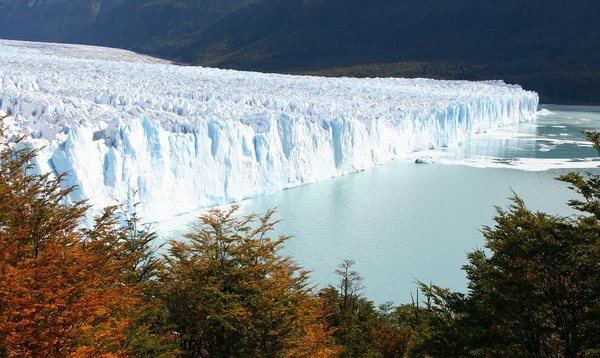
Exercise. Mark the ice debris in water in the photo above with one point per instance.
(544, 112)
(189, 137)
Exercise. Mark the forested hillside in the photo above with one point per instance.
(155, 27)
(50, 20)
(546, 45)
(142, 25)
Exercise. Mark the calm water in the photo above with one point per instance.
(402, 221)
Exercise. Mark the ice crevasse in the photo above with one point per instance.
(189, 137)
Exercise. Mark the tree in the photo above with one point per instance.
(435, 329)
(534, 296)
(361, 329)
(148, 336)
(538, 289)
(391, 338)
(349, 287)
(64, 291)
(228, 293)
(536, 293)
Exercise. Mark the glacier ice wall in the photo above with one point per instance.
(189, 137)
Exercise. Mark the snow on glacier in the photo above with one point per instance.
(191, 137)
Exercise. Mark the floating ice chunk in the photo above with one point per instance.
(546, 147)
(544, 112)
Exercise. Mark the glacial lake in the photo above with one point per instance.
(403, 222)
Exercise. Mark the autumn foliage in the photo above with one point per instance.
(71, 289)
(228, 292)
(65, 291)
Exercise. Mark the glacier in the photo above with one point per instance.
(185, 137)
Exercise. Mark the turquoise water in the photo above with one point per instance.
(403, 221)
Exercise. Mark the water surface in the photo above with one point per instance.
(403, 221)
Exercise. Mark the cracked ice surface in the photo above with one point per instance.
(190, 137)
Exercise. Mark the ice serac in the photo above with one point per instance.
(189, 137)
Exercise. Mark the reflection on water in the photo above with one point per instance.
(403, 221)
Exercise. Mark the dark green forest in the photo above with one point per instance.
(550, 46)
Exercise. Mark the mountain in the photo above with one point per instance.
(50, 20)
(142, 25)
(546, 45)
(155, 26)
(277, 32)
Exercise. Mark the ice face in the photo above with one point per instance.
(190, 137)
